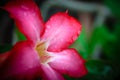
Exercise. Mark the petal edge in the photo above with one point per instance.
(27, 18)
(61, 31)
(68, 62)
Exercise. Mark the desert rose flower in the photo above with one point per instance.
(45, 51)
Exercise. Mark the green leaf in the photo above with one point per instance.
(114, 6)
(100, 36)
(20, 36)
(98, 70)
(112, 48)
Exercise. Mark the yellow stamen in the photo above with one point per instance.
(41, 50)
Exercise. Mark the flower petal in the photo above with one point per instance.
(3, 57)
(68, 62)
(22, 62)
(50, 74)
(27, 17)
(61, 31)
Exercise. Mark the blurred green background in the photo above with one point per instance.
(98, 43)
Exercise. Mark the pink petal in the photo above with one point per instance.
(23, 62)
(27, 17)
(61, 31)
(68, 62)
(50, 74)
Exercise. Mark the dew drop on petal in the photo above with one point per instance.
(25, 13)
(34, 14)
(46, 31)
(74, 37)
(48, 27)
(65, 53)
(78, 32)
(24, 7)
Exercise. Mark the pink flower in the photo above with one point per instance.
(45, 53)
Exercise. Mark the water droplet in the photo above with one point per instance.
(46, 31)
(78, 32)
(24, 7)
(48, 27)
(65, 52)
(33, 14)
(25, 13)
(74, 37)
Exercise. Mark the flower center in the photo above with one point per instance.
(42, 52)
